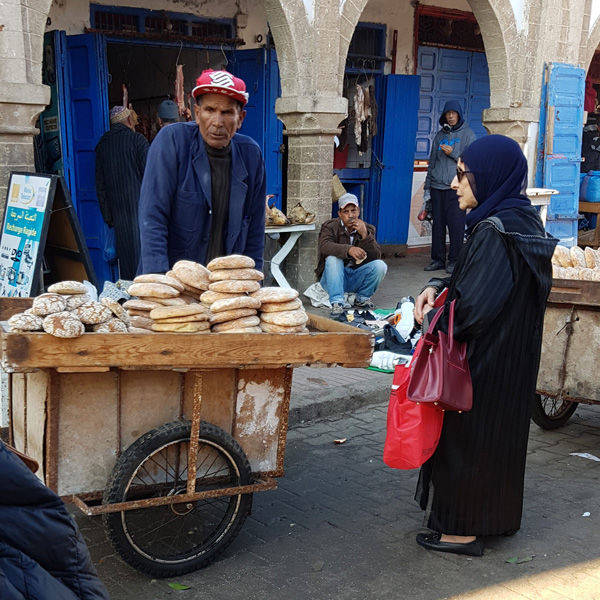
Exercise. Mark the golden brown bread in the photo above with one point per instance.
(234, 287)
(163, 279)
(281, 306)
(153, 290)
(236, 324)
(275, 294)
(231, 315)
(229, 274)
(168, 312)
(287, 318)
(233, 261)
(200, 326)
(234, 303)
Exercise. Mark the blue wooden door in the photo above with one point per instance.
(86, 119)
(559, 146)
(259, 69)
(401, 97)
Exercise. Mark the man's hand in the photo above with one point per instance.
(358, 254)
(359, 227)
(424, 303)
(447, 150)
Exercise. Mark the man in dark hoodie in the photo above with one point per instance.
(120, 162)
(448, 145)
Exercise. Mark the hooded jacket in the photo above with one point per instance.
(442, 167)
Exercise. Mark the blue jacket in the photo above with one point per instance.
(442, 167)
(42, 553)
(176, 203)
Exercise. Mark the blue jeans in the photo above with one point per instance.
(363, 280)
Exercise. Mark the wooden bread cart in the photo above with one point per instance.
(570, 346)
(165, 435)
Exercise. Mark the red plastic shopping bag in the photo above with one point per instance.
(413, 430)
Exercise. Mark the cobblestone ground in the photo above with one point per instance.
(341, 526)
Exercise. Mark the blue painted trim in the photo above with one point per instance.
(355, 174)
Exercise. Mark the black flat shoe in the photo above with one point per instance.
(432, 541)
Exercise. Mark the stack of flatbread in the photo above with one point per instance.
(189, 318)
(67, 311)
(576, 263)
(231, 279)
(281, 310)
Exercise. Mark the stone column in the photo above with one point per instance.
(20, 104)
(310, 128)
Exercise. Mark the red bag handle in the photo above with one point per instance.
(436, 318)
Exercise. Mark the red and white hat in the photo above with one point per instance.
(221, 82)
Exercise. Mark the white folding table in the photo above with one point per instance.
(295, 232)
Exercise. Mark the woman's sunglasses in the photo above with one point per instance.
(460, 173)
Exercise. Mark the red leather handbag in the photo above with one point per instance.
(440, 373)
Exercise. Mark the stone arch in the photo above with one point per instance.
(593, 41)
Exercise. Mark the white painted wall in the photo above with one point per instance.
(73, 16)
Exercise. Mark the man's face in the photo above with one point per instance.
(349, 215)
(452, 118)
(218, 117)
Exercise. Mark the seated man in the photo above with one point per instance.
(348, 257)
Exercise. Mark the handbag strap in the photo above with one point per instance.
(436, 318)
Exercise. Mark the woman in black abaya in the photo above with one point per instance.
(473, 484)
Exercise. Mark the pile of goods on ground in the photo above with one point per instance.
(224, 297)
(67, 311)
(575, 263)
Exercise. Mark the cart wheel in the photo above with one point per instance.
(173, 539)
(550, 413)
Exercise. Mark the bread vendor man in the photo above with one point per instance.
(203, 192)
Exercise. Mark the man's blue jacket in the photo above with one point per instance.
(175, 211)
(42, 553)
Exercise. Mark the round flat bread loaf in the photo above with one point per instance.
(189, 319)
(231, 315)
(191, 274)
(117, 310)
(559, 272)
(168, 312)
(111, 326)
(229, 274)
(67, 288)
(562, 256)
(63, 325)
(571, 273)
(577, 257)
(153, 290)
(139, 330)
(47, 304)
(211, 297)
(23, 322)
(141, 322)
(76, 300)
(244, 330)
(233, 261)
(199, 327)
(270, 328)
(281, 306)
(234, 287)
(163, 279)
(237, 324)
(147, 305)
(92, 313)
(591, 258)
(275, 294)
(234, 303)
(287, 318)
(188, 299)
(586, 274)
(179, 301)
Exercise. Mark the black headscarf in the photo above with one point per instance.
(498, 176)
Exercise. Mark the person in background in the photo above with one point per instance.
(349, 258)
(203, 193)
(449, 143)
(168, 113)
(590, 145)
(472, 485)
(120, 162)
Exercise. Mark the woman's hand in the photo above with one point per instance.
(424, 303)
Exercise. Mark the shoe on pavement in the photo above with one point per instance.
(436, 265)
(432, 541)
(337, 310)
(450, 268)
(366, 304)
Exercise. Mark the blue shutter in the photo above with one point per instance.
(564, 87)
(400, 118)
(259, 69)
(86, 119)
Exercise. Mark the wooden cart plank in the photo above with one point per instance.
(345, 346)
(575, 291)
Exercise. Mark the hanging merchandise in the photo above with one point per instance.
(363, 146)
(373, 112)
(179, 92)
(125, 96)
(359, 114)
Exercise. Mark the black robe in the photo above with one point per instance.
(473, 484)
(120, 162)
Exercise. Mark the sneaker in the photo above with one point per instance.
(337, 310)
(450, 268)
(436, 265)
(366, 304)
(403, 300)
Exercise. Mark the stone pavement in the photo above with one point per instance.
(341, 525)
